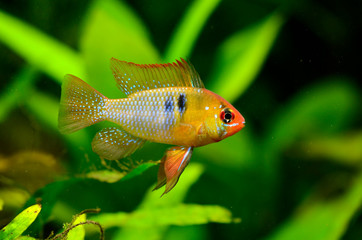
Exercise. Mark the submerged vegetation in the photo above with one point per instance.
(290, 68)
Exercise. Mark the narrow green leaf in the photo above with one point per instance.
(345, 148)
(45, 109)
(323, 220)
(77, 233)
(49, 196)
(241, 57)
(139, 170)
(152, 200)
(111, 176)
(25, 238)
(39, 49)
(112, 29)
(179, 215)
(1, 204)
(323, 109)
(224, 152)
(20, 223)
(187, 179)
(185, 36)
(17, 91)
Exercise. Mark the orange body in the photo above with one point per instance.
(166, 103)
(182, 116)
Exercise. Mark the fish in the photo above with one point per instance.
(166, 103)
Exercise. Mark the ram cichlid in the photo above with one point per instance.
(166, 103)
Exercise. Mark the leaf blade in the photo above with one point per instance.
(241, 56)
(323, 220)
(77, 233)
(185, 36)
(114, 26)
(39, 49)
(20, 223)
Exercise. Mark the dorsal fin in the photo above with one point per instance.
(132, 77)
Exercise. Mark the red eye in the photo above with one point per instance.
(227, 116)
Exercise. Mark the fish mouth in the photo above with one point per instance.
(235, 128)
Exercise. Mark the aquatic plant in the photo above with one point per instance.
(294, 173)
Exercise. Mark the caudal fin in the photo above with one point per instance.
(80, 105)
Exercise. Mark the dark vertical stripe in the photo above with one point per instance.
(181, 102)
(168, 104)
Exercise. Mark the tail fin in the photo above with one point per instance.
(80, 105)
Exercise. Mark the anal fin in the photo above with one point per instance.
(113, 143)
(172, 165)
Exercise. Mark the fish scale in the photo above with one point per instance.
(144, 114)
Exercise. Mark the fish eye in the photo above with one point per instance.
(227, 116)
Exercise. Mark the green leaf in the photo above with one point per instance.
(49, 196)
(179, 215)
(25, 238)
(241, 57)
(77, 233)
(45, 109)
(20, 223)
(139, 170)
(39, 49)
(111, 176)
(113, 30)
(17, 91)
(323, 220)
(323, 109)
(152, 200)
(244, 156)
(344, 148)
(186, 34)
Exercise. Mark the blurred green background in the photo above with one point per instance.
(292, 68)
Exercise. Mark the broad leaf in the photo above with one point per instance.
(152, 200)
(112, 29)
(179, 215)
(20, 223)
(78, 232)
(241, 57)
(323, 220)
(16, 91)
(111, 176)
(39, 49)
(323, 109)
(45, 109)
(185, 36)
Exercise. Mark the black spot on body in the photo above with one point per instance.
(169, 105)
(181, 102)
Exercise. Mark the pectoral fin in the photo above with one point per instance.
(172, 165)
(113, 143)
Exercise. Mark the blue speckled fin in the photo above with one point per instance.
(132, 77)
(113, 143)
(80, 105)
(172, 165)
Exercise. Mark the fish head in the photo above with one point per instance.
(230, 121)
(223, 120)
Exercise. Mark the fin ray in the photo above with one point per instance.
(80, 105)
(113, 143)
(172, 165)
(132, 77)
